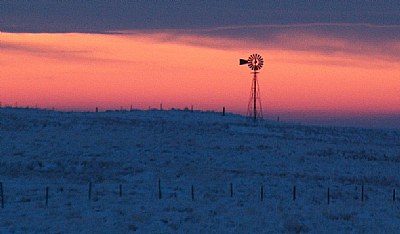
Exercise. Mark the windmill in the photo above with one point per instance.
(255, 63)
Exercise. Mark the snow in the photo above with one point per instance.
(64, 151)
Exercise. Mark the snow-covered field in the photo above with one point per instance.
(181, 149)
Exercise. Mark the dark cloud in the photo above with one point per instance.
(64, 54)
(362, 27)
(381, 41)
(44, 51)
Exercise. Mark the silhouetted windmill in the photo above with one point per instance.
(255, 63)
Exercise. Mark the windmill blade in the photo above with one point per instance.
(243, 61)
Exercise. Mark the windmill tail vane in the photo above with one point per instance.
(243, 61)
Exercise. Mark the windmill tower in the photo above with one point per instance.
(255, 63)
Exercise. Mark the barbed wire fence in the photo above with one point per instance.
(46, 193)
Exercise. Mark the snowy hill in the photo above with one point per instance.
(193, 172)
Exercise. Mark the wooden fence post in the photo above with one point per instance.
(159, 189)
(328, 196)
(394, 194)
(362, 192)
(90, 191)
(2, 195)
(294, 193)
(47, 195)
(192, 193)
(262, 193)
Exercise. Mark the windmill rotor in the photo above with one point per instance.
(255, 62)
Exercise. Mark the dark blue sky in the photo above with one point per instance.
(101, 16)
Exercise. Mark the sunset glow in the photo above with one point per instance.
(83, 71)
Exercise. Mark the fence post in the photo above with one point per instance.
(262, 193)
(192, 193)
(231, 190)
(394, 195)
(294, 193)
(328, 196)
(159, 189)
(2, 195)
(90, 191)
(223, 111)
(47, 195)
(362, 192)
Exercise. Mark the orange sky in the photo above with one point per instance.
(82, 71)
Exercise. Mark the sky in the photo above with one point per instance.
(326, 62)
